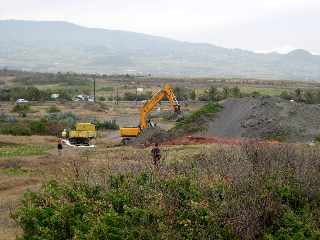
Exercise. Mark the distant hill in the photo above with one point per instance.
(63, 46)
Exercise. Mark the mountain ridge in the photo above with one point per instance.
(63, 46)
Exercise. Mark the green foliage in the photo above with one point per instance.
(129, 96)
(53, 109)
(21, 108)
(293, 226)
(15, 129)
(280, 135)
(248, 192)
(107, 124)
(285, 95)
(101, 98)
(213, 94)
(37, 127)
(181, 93)
(193, 95)
(317, 139)
(68, 119)
(194, 121)
(105, 89)
(22, 150)
(17, 171)
(308, 96)
(141, 207)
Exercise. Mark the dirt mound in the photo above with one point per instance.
(267, 118)
(152, 135)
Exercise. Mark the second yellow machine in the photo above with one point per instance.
(131, 132)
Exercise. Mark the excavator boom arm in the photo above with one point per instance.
(149, 105)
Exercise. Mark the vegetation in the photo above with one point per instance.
(22, 109)
(249, 192)
(17, 150)
(35, 94)
(107, 124)
(196, 120)
(215, 94)
(129, 96)
(51, 124)
(53, 109)
(279, 135)
(309, 96)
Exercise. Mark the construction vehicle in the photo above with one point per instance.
(81, 135)
(132, 132)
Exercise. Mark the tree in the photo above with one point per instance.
(181, 93)
(213, 94)
(309, 98)
(317, 97)
(285, 95)
(226, 92)
(193, 95)
(298, 94)
(235, 92)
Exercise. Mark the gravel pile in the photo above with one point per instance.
(267, 118)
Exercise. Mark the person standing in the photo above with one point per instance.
(156, 154)
(60, 147)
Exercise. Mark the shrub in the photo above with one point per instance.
(16, 129)
(53, 109)
(22, 109)
(38, 127)
(196, 120)
(68, 119)
(101, 98)
(128, 96)
(129, 207)
(253, 191)
(107, 124)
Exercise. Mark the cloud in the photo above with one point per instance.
(251, 24)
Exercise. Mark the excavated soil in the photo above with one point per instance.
(266, 118)
(152, 135)
(259, 118)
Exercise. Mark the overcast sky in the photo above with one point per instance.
(258, 25)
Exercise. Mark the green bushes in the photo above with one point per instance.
(53, 109)
(252, 191)
(107, 124)
(142, 207)
(215, 94)
(28, 128)
(15, 129)
(128, 96)
(308, 96)
(22, 109)
(196, 120)
(20, 150)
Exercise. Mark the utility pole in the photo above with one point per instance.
(117, 96)
(94, 88)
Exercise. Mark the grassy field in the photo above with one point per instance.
(16, 150)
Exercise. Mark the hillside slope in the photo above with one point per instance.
(62, 46)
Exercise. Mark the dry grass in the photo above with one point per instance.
(236, 165)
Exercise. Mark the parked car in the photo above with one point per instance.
(21, 100)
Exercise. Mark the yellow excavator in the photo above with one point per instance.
(132, 132)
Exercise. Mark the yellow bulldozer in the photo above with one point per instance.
(81, 135)
(128, 133)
